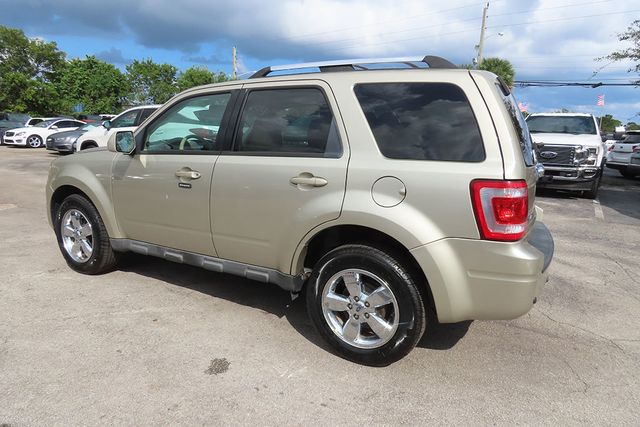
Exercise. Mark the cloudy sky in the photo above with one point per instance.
(544, 39)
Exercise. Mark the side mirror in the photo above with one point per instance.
(603, 137)
(122, 142)
(107, 124)
(54, 127)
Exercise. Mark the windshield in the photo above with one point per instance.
(45, 124)
(578, 125)
(88, 126)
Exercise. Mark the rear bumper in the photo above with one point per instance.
(483, 280)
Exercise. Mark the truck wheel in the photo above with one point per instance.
(593, 192)
(366, 305)
(82, 236)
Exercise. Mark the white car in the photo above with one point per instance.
(127, 120)
(619, 157)
(35, 136)
(35, 120)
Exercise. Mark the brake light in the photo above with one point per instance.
(636, 148)
(501, 209)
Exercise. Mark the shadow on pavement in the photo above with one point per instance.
(262, 296)
(268, 298)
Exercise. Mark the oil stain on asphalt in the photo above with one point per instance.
(218, 366)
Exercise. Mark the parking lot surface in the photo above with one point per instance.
(163, 343)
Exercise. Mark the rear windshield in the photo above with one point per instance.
(421, 121)
(632, 138)
(578, 125)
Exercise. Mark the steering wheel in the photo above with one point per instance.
(187, 140)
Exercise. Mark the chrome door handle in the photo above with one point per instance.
(308, 180)
(188, 173)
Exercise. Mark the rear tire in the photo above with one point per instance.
(626, 173)
(82, 236)
(366, 305)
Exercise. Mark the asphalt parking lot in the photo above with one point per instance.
(162, 343)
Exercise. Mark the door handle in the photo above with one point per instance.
(306, 179)
(188, 173)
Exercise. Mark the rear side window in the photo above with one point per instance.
(421, 121)
(291, 121)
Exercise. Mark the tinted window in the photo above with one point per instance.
(190, 125)
(421, 121)
(145, 113)
(562, 124)
(520, 124)
(67, 124)
(125, 120)
(288, 121)
(632, 138)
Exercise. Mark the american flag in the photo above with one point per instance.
(600, 102)
(523, 107)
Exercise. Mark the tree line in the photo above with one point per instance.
(37, 78)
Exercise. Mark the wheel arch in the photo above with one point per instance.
(93, 191)
(90, 142)
(334, 236)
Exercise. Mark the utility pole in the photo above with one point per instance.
(234, 73)
(482, 30)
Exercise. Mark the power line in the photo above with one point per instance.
(490, 27)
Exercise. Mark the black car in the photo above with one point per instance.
(64, 142)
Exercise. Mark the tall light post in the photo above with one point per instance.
(483, 28)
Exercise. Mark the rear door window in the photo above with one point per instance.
(288, 122)
(421, 121)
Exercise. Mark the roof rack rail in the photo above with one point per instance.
(358, 64)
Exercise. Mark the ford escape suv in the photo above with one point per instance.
(383, 191)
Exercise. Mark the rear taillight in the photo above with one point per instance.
(501, 209)
(636, 148)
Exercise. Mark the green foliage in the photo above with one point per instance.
(500, 67)
(466, 66)
(633, 126)
(198, 76)
(151, 83)
(633, 53)
(36, 79)
(99, 86)
(28, 67)
(608, 123)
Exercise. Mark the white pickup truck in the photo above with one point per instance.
(571, 148)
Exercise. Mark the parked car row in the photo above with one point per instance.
(625, 155)
(66, 135)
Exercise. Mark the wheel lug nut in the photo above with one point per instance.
(356, 299)
(349, 306)
(366, 304)
(355, 316)
(366, 315)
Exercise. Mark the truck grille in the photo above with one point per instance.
(562, 155)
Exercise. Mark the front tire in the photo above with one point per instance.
(82, 236)
(34, 141)
(366, 305)
(593, 192)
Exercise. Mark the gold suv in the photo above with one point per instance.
(383, 190)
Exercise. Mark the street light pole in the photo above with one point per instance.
(482, 30)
